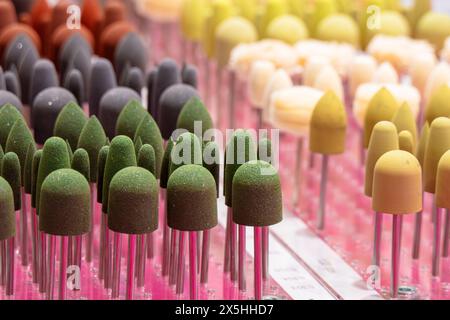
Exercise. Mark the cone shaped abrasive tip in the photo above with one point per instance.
(382, 107)
(92, 139)
(328, 126)
(130, 118)
(19, 139)
(149, 133)
(404, 120)
(70, 123)
(194, 113)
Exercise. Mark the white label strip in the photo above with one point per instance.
(295, 280)
(322, 259)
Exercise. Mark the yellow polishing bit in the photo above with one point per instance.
(193, 16)
(439, 105)
(435, 28)
(384, 138)
(321, 10)
(406, 142)
(417, 11)
(220, 11)
(328, 126)
(382, 107)
(438, 143)
(404, 120)
(339, 28)
(287, 28)
(391, 23)
(229, 34)
(397, 184)
(271, 10)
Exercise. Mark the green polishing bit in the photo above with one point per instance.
(28, 171)
(11, 173)
(165, 165)
(7, 214)
(8, 117)
(240, 150)
(129, 118)
(257, 198)
(69, 150)
(65, 204)
(265, 150)
(195, 113)
(211, 161)
(137, 145)
(121, 155)
(70, 123)
(191, 199)
(34, 174)
(54, 156)
(18, 141)
(149, 132)
(187, 150)
(147, 158)
(133, 201)
(101, 161)
(92, 139)
(80, 163)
